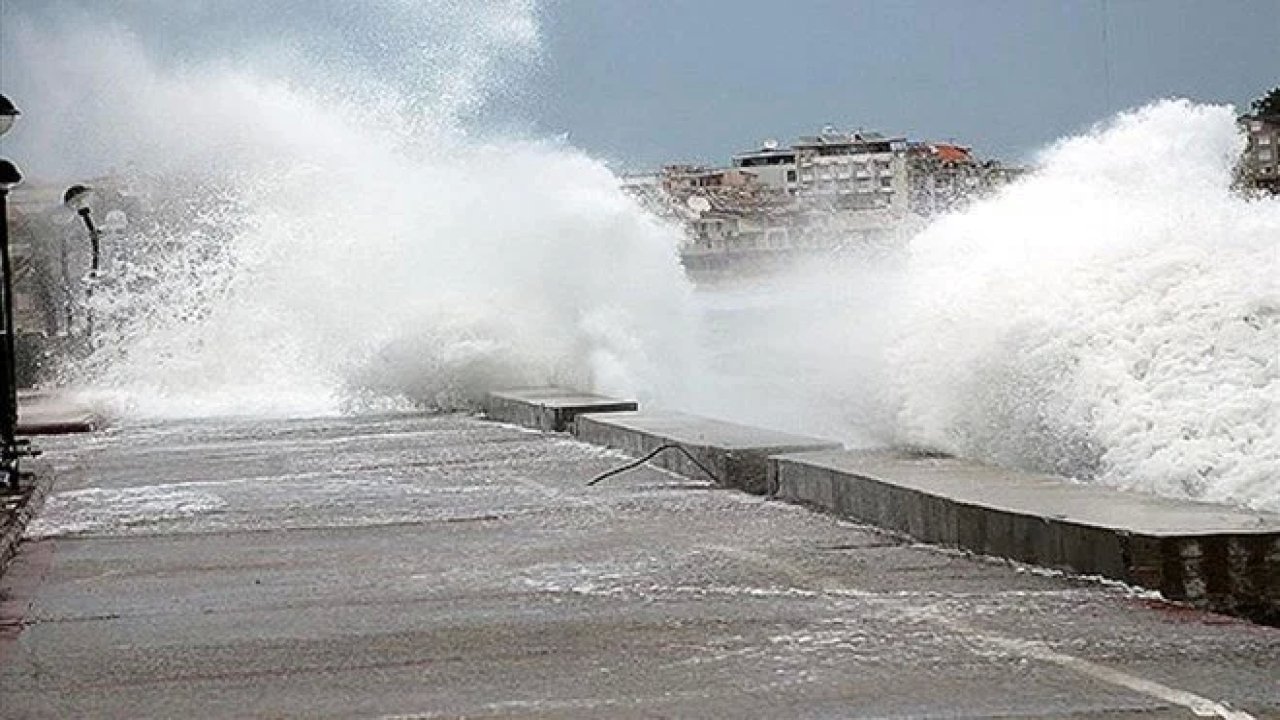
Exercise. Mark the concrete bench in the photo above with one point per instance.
(1213, 556)
(736, 454)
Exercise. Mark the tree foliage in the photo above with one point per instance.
(1268, 104)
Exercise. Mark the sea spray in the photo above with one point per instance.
(1114, 317)
(313, 251)
(332, 227)
(804, 350)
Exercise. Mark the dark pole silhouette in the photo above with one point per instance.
(9, 449)
(78, 198)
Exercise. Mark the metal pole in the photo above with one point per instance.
(8, 371)
(68, 294)
(95, 238)
(10, 449)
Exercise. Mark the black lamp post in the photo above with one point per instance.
(10, 451)
(79, 198)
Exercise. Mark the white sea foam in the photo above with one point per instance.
(110, 511)
(1115, 316)
(307, 252)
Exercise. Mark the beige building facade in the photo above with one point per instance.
(1261, 163)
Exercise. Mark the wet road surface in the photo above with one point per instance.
(445, 566)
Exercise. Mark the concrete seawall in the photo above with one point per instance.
(1212, 556)
(737, 455)
(549, 409)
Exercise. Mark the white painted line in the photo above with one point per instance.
(1200, 706)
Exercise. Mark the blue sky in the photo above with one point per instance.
(644, 82)
(640, 81)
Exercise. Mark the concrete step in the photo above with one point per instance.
(737, 455)
(1214, 556)
(550, 409)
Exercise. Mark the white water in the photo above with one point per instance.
(318, 252)
(1115, 316)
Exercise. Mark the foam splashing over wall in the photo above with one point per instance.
(336, 225)
(311, 250)
(1115, 316)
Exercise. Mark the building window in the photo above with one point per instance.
(791, 176)
(1264, 154)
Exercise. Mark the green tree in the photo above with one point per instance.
(1268, 104)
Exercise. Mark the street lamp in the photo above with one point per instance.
(8, 114)
(79, 198)
(10, 452)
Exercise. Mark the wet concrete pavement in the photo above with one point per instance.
(452, 567)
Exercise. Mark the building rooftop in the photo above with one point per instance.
(860, 137)
(766, 152)
(946, 152)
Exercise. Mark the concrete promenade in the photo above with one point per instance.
(446, 566)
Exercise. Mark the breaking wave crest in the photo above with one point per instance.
(331, 224)
(305, 250)
(1115, 316)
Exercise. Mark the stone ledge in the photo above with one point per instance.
(737, 454)
(1213, 556)
(550, 409)
(18, 509)
(50, 413)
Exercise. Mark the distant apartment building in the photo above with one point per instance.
(852, 171)
(646, 189)
(826, 191)
(946, 176)
(774, 167)
(685, 178)
(865, 171)
(833, 170)
(725, 210)
(1261, 162)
